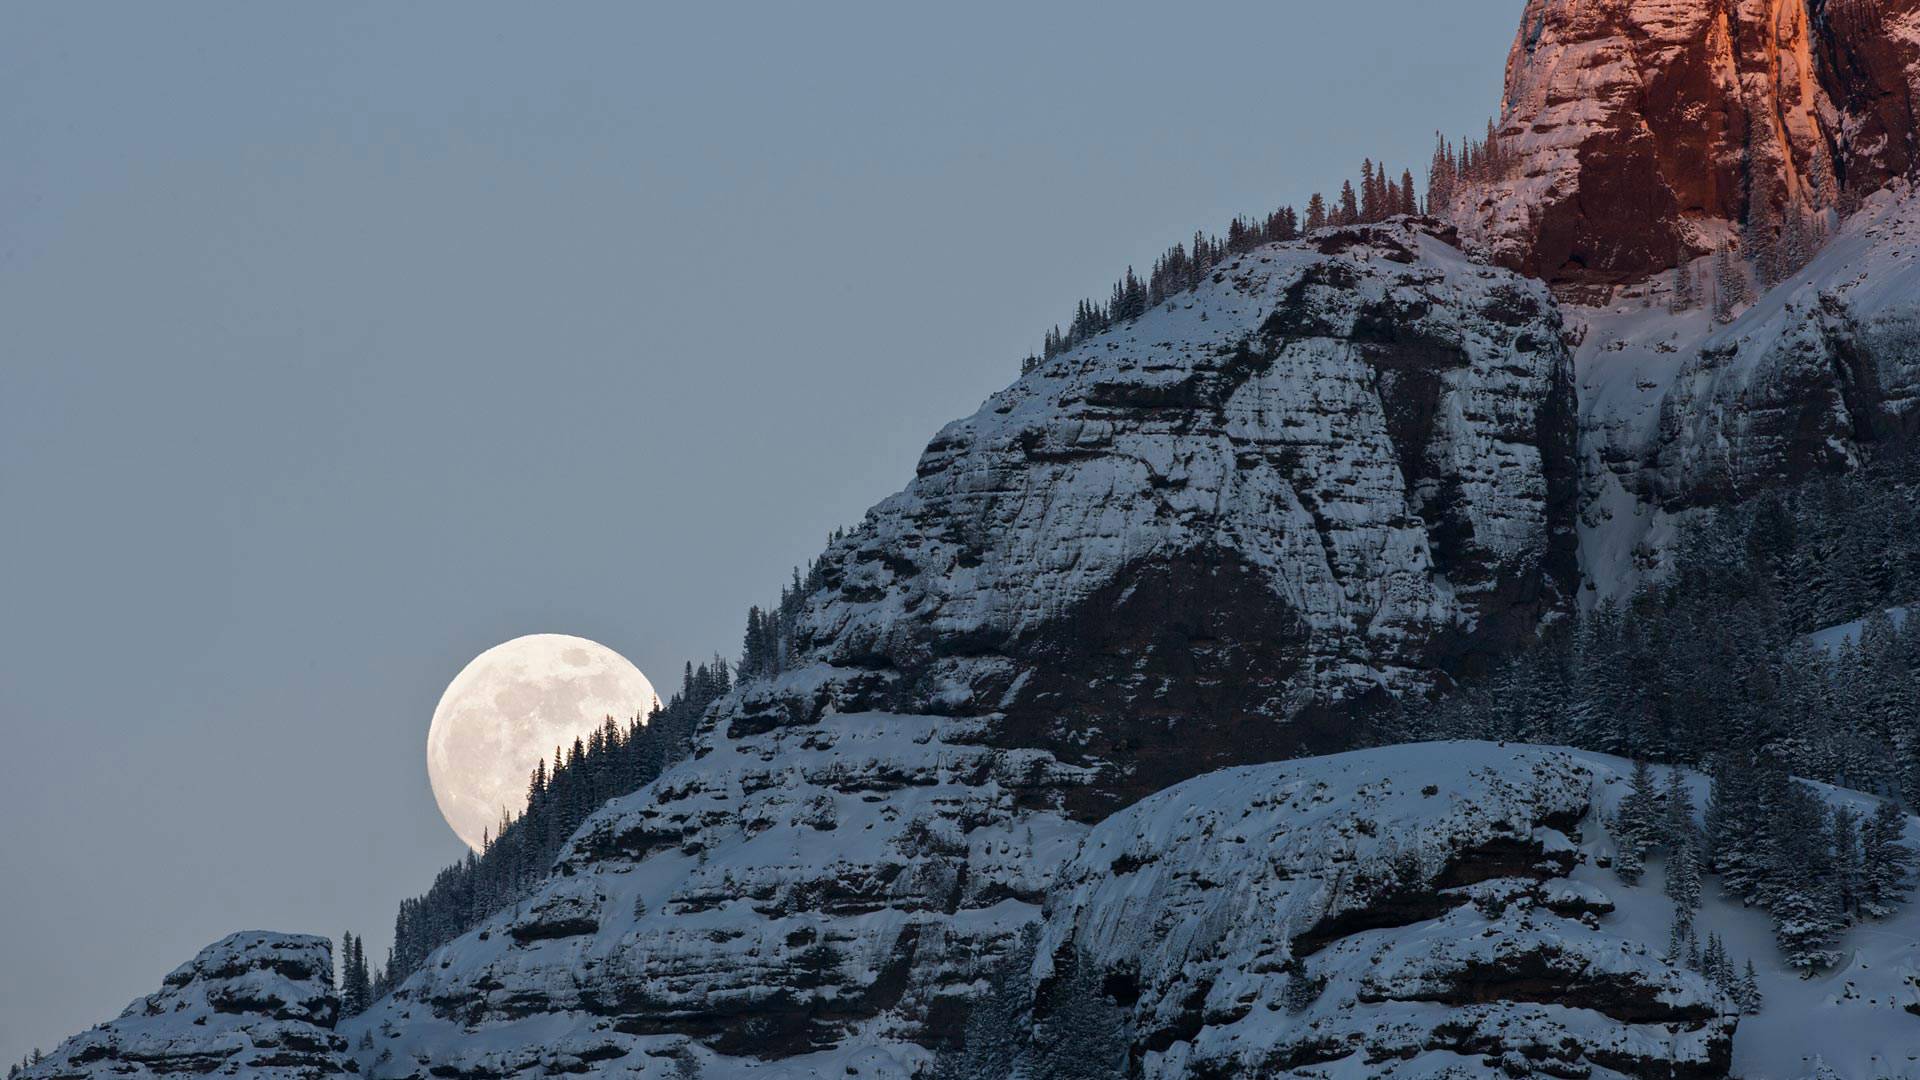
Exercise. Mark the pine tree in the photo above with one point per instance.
(1628, 861)
(1686, 296)
(1887, 863)
(1678, 930)
(1764, 225)
(356, 985)
(1732, 290)
(1801, 892)
(1081, 1035)
(1678, 827)
(1716, 967)
(1735, 839)
(1316, 212)
(1638, 826)
(1849, 873)
(1683, 880)
(1443, 174)
(996, 1039)
(1349, 212)
(1750, 998)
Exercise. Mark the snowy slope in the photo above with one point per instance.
(1833, 638)
(808, 903)
(1516, 942)
(790, 892)
(1450, 897)
(1425, 886)
(1861, 1019)
(1678, 411)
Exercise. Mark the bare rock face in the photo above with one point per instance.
(1342, 468)
(253, 1004)
(1636, 129)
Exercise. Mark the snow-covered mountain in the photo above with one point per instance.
(1439, 909)
(1327, 472)
(1044, 687)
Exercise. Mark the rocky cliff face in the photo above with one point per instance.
(253, 1004)
(1680, 412)
(1340, 468)
(1282, 918)
(819, 894)
(829, 899)
(1638, 129)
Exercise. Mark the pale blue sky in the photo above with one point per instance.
(339, 342)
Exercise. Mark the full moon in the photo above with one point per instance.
(509, 708)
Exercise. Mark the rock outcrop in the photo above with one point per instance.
(786, 895)
(1820, 375)
(1312, 914)
(1680, 412)
(831, 900)
(1637, 131)
(1343, 467)
(254, 1004)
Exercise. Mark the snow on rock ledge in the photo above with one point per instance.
(254, 1004)
(791, 894)
(1420, 890)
